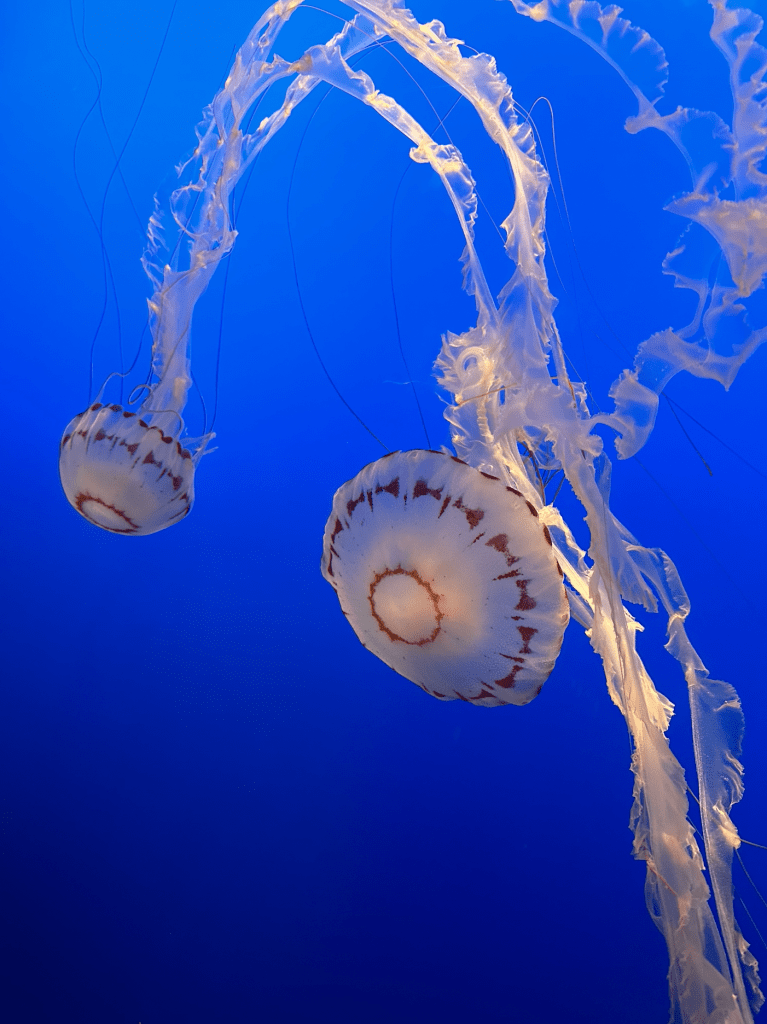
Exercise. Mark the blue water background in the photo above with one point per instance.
(216, 805)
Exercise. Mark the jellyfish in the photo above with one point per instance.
(516, 412)
(132, 472)
(512, 394)
(448, 576)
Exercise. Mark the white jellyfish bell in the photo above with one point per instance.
(123, 474)
(448, 576)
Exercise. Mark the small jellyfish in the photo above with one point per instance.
(448, 576)
(133, 473)
(124, 474)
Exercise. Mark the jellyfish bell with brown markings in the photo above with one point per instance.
(448, 576)
(123, 473)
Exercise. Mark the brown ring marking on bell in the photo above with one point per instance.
(353, 503)
(474, 516)
(414, 575)
(481, 695)
(526, 602)
(507, 682)
(421, 489)
(527, 633)
(391, 488)
(501, 544)
(180, 514)
(81, 500)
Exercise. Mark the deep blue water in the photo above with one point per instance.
(216, 806)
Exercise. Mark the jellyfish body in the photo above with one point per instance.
(123, 474)
(448, 577)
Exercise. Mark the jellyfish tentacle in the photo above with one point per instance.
(719, 340)
(715, 345)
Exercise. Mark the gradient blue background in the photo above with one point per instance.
(216, 806)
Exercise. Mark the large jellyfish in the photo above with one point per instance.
(517, 414)
(448, 577)
(513, 395)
